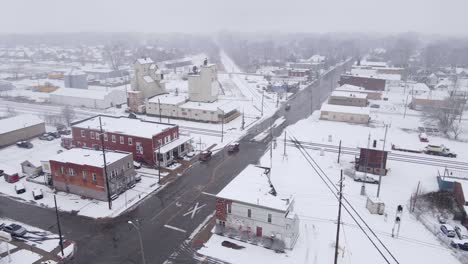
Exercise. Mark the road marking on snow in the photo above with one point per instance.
(199, 227)
(209, 194)
(194, 210)
(175, 228)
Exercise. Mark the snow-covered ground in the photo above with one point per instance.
(316, 206)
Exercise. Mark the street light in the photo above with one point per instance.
(141, 241)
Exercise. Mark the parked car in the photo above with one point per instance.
(460, 233)
(205, 155)
(442, 219)
(138, 177)
(37, 194)
(233, 147)
(54, 134)
(190, 154)
(366, 179)
(46, 136)
(19, 188)
(374, 106)
(447, 230)
(423, 137)
(64, 132)
(24, 144)
(460, 243)
(229, 244)
(136, 165)
(14, 230)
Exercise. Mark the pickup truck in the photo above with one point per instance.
(439, 151)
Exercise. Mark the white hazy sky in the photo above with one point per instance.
(388, 16)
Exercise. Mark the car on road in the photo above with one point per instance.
(374, 106)
(460, 243)
(37, 194)
(24, 144)
(288, 106)
(366, 179)
(46, 136)
(233, 147)
(205, 155)
(439, 150)
(19, 188)
(447, 230)
(14, 230)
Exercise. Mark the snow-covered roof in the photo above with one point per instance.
(18, 122)
(222, 105)
(88, 157)
(251, 187)
(349, 94)
(74, 72)
(82, 93)
(124, 125)
(146, 60)
(374, 63)
(433, 95)
(350, 87)
(172, 145)
(422, 87)
(345, 109)
(148, 79)
(171, 99)
(316, 58)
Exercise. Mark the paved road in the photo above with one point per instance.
(114, 240)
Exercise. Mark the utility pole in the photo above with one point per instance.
(311, 101)
(58, 226)
(339, 218)
(382, 161)
(222, 125)
(263, 96)
(159, 162)
(160, 116)
(406, 106)
(101, 136)
(271, 143)
(284, 152)
(339, 152)
(243, 120)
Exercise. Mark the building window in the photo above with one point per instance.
(182, 147)
(83, 133)
(175, 135)
(113, 139)
(105, 137)
(62, 169)
(159, 142)
(249, 213)
(130, 141)
(92, 135)
(229, 208)
(167, 139)
(84, 175)
(94, 177)
(122, 140)
(128, 165)
(269, 218)
(71, 171)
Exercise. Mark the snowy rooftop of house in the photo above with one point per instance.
(420, 87)
(316, 58)
(81, 93)
(148, 79)
(124, 125)
(350, 87)
(433, 95)
(251, 187)
(348, 94)
(374, 63)
(74, 72)
(171, 99)
(18, 122)
(88, 157)
(345, 109)
(223, 105)
(146, 60)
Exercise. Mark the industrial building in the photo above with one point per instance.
(349, 114)
(76, 79)
(21, 127)
(99, 99)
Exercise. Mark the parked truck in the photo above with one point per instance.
(439, 151)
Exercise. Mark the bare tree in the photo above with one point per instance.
(68, 114)
(114, 55)
(456, 128)
(445, 116)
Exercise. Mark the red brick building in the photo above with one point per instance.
(369, 83)
(371, 159)
(81, 171)
(144, 139)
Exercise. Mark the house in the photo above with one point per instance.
(146, 83)
(21, 127)
(348, 98)
(349, 114)
(99, 99)
(431, 99)
(299, 73)
(150, 142)
(165, 105)
(372, 158)
(419, 88)
(173, 64)
(456, 182)
(203, 84)
(369, 83)
(250, 208)
(371, 95)
(31, 169)
(81, 172)
(75, 78)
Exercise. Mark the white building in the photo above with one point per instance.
(203, 85)
(76, 79)
(248, 208)
(21, 127)
(98, 99)
(341, 113)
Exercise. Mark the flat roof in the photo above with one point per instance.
(124, 125)
(18, 122)
(345, 109)
(224, 106)
(88, 157)
(172, 145)
(251, 187)
(171, 99)
(82, 93)
(145, 60)
(349, 94)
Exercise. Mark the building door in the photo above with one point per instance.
(259, 231)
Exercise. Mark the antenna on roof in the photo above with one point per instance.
(267, 173)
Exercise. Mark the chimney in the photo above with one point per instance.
(374, 144)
